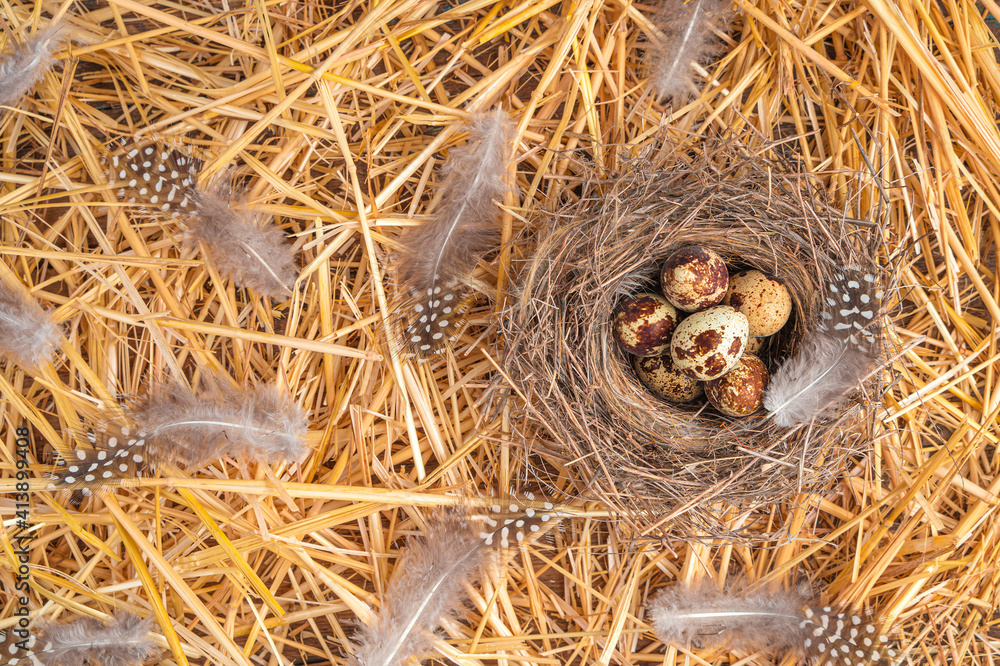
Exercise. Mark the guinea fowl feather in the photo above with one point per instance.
(431, 580)
(177, 425)
(241, 242)
(437, 258)
(741, 618)
(834, 357)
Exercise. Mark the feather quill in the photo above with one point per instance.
(751, 620)
(176, 425)
(687, 38)
(834, 357)
(28, 334)
(241, 242)
(438, 257)
(24, 67)
(123, 641)
(430, 583)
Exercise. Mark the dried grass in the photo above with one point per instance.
(337, 114)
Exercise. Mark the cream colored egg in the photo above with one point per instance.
(764, 300)
(754, 345)
(643, 324)
(665, 381)
(708, 343)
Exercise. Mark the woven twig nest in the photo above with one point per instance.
(681, 468)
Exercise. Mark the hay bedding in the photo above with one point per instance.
(244, 563)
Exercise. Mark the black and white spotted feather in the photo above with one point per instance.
(241, 242)
(835, 356)
(122, 641)
(430, 582)
(750, 620)
(159, 177)
(117, 454)
(179, 426)
(437, 258)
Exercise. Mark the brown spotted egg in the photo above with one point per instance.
(754, 345)
(739, 392)
(693, 278)
(643, 324)
(763, 299)
(665, 381)
(708, 343)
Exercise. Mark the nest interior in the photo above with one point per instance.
(685, 461)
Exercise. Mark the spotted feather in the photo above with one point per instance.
(160, 178)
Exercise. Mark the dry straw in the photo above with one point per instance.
(339, 115)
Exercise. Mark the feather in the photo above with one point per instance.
(24, 67)
(834, 357)
(429, 586)
(175, 425)
(259, 422)
(28, 335)
(242, 243)
(687, 39)
(749, 620)
(430, 583)
(118, 453)
(438, 257)
(122, 641)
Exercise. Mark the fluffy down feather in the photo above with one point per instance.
(428, 585)
(123, 641)
(705, 616)
(242, 243)
(192, 428)
(687, 39)
(821, 372)
(22, 69)
(28, 335)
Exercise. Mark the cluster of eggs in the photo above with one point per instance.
(701, 335)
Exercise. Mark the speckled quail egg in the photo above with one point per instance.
(694, 278)
(643, 324)
(708, 343)
(763, 299)
(754, 345)
(665, 381)
(739, 392)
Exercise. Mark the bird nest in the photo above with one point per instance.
(682, 469)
